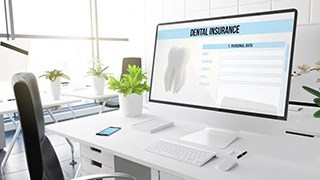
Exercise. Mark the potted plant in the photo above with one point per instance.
(305, 69)
(130, 88)
(55, 78)
(99, 76)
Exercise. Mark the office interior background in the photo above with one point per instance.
(68, 34)
(70, 38)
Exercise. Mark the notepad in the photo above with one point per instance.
(152, 125)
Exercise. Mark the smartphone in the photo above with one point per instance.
(108, 131)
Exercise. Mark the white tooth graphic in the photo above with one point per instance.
(175, 73)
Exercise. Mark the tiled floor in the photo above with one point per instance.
(16, 167)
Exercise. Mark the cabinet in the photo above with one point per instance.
(158, 175)
(95, 160)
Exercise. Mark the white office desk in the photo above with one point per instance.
(47, 104)
(11, 106)
(289, 157)
(89, 94)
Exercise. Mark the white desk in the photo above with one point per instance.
(11, 106)
(88, 94)
(47, 104)
(290, 157)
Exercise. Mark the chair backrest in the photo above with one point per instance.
(132, 61)
(42, 160)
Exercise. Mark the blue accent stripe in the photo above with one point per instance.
(263, 27)
(215, 46)
(279, 44)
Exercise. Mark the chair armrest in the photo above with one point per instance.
(114, 175)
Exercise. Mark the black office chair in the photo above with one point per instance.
(114, 103)
(132, 61)
(42, 160)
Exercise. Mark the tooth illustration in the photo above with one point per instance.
(174, 77)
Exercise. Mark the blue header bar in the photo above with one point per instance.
(245, 45)
(263, 27)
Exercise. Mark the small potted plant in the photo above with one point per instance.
(130, 88)
(305, 69)
(55, 78)
(99, 76)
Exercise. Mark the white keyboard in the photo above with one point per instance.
(180, 152)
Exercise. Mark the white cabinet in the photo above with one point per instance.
(95, 160)
(158, 175)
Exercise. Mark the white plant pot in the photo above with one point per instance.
(131, 105)
(56, 88)
(98, 85)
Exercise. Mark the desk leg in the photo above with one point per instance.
(73, 162)
(14, 139)
(71, 109)
(103, 105)
(12, 120)
(78, 171)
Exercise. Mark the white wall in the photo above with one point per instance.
(307, 50)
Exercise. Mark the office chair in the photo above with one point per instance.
(42, 160)
(114, 103)
(130, 60)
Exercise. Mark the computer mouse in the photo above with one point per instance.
(227, 164)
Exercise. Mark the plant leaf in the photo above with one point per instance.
(317, 114)
(54, 74)
(101, 71)
(131, 82)
(312, 91)
(105, 76)
(317, 101)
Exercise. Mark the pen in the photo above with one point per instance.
(241, 155)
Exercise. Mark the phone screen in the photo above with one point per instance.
(108, 131)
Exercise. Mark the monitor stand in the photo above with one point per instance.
(219, 138)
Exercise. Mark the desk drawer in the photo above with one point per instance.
(94, 167)
(97, 155)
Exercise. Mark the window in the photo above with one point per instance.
(52, 17)
(71, 56)
(63, 37)
(113, 18)
(112, 53)
(2, 20)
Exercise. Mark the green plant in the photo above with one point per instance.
(315, 100)
(54, 74)
(305, 69)
(133, 82)
(98, 70)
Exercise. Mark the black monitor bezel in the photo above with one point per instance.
(275, 117)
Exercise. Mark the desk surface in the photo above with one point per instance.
(289, 157)
(89, 94)
(11, 106)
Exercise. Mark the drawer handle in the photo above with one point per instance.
(95, 163)
(95, 149)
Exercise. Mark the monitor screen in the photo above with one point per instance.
(238, 64)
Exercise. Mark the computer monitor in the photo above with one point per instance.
(235, 64)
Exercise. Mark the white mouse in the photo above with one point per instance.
(227, 164)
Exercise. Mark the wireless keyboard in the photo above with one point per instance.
(180, 152)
